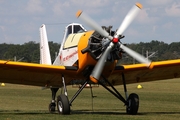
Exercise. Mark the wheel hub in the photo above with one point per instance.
(60, 106)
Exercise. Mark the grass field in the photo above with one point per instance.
(159, 100)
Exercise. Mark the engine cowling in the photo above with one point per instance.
(97, 45)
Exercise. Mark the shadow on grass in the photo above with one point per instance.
(120, 112)
(100, 112)
(23, 112)
(79, 112)
(158, 113)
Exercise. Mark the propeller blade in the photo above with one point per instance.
(128, 19)
(92, 24)
(96, 73)
(136, 55)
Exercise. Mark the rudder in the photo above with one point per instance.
(45, 57)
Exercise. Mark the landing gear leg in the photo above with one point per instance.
(63, 105)
(52, 105)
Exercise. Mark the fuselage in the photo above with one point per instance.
(71, 51)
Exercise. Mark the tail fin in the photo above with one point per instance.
(45, 57)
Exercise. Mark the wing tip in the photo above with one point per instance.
(78, 13)
(139, 5)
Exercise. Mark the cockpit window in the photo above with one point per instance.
(69, 31)
(78, 29)
(74, 29)
(72, 35)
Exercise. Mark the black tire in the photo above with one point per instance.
(63, 104)
(133, 104)
(52, 107)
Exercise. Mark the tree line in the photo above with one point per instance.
(27, 52)
(30, 52)
(154, 50)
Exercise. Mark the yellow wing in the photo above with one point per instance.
(48, 75)
(140, 73)
(35, 74)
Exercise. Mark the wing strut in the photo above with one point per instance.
(79, 91)
(115, 92)
(131, 102)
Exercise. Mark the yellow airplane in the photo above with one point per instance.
(91, 57)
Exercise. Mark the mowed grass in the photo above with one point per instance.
(159, 100)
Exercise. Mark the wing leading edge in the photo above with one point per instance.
(140, 73)
(35, 74)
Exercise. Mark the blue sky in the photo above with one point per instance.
(20, 19)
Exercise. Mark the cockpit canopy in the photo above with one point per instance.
(74, 28)
(72, 33)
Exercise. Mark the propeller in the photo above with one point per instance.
(92, 24)
(95, 75)
(128, 19)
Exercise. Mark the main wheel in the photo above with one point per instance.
(133, 104)
(63, 104)
(52, 107)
